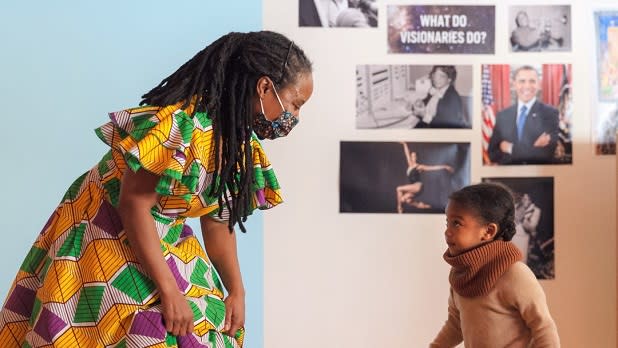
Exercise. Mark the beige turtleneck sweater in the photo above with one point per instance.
(508, 311)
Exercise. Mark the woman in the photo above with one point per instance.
(442, 107)
(525, 37)
(408, 192)
(116, 265)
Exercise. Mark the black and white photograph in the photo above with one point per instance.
(401, 177)
(413, 96)
(338, 13)
(540, 28)
(526, 114)
(534, 221)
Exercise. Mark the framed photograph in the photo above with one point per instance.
(400, 177)
(413, 96)
(534, 221)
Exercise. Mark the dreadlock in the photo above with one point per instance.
(221, 80)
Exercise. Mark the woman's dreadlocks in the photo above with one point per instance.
(221, 80)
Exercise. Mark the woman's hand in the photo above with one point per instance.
(234, 313)
(177, 315)
(137, 197)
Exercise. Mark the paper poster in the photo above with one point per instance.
(534, 221)
(441, 29)
(526, 114)
(401, 177)
(338, 13)
(413, 96)
(540, 28)
(605, 120)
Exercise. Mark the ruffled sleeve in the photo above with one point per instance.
(266, 189)
(267, 192)
(178, 147)
(157, 140)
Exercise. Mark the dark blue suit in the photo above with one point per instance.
(541, 118)
(449, 113)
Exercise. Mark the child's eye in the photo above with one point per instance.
(452, 224)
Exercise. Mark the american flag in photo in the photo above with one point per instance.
(489, 118)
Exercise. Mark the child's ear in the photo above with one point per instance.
(490, 231)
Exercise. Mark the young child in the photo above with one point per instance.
(495, 300)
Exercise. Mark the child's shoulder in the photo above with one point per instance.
(518, 277)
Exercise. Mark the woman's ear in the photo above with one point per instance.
(490, 231)
(263, 86)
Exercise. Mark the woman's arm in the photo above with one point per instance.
(427, 168)
(531, 221)
(406, 151)
(137, 197)
(220, 244)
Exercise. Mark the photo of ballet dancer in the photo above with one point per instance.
(400, 177)
(534, 221)
(413, 96)
(338, 13)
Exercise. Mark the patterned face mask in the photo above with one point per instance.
(280, 127)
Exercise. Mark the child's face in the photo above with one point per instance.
(464, 230)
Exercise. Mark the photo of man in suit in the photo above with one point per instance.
(527, 131)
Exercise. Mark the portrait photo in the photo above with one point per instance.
(540, 28)
(534, 221)
(526, 114)
(338, 13)
(413, 96)
(401, 177)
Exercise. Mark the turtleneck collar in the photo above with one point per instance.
(475, 272)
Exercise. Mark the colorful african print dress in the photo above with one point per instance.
(82, 286)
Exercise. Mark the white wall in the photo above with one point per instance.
(378, 280)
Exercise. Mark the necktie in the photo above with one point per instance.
(521, 120)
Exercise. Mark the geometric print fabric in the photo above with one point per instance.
(80, 285)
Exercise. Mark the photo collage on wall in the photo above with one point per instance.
(525, 107)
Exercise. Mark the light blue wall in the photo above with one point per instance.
(64, 65)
